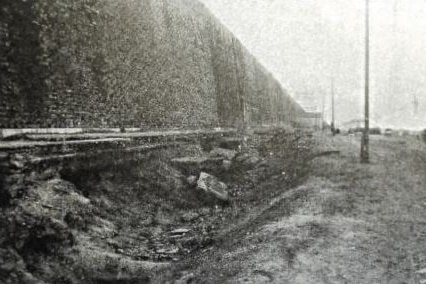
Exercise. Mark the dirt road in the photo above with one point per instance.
(348, 223)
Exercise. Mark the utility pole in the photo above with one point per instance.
(415, 104)
(365, 138)
(333, 125)
(395, 55)
(323, 111)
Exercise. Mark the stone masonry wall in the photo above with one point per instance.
(133, 63)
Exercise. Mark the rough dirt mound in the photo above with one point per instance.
(124, 224)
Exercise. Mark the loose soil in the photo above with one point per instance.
(347, 223)
(303, 210)
(125, 223)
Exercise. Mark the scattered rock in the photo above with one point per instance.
(28, 278)
(16, 164)
(207, 143)
(185, 279)
(191, 180)
(8, 266)
(213, 186)
(181, 231)
(190, 216)
(421, 271)
(169, 250)
(227, 165)
(230, 143)
(49, 173)
(74, 220)
(163, 218)
(171, 176)
(14, 179)
(225, 153)
(11, 192)
(190, 243)
(97, 222)
(252, 161)
(248, 160)
(149, 220)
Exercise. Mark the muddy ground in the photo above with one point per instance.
(126, 223)
(347, 223)
(302, 209)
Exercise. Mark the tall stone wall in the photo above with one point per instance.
(134, 63)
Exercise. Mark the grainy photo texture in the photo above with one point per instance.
(212, 141)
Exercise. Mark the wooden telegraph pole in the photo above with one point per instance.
(323, 111)
(333, 122)
(365, 138)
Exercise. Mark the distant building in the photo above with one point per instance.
(357, 125)
(352, 124)
(312, 116)
(312, 119)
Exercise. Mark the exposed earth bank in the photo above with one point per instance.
(299, 208)
(347, 223)
(126, 219)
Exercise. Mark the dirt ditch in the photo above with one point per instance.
(124, 223)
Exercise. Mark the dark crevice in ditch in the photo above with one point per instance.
(138, 208)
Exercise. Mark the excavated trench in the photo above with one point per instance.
(125, 215)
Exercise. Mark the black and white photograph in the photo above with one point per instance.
(212, 141)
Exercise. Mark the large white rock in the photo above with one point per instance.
(213, 186)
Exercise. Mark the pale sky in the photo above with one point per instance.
(308, 43)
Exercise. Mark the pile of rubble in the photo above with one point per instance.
(129, 221)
